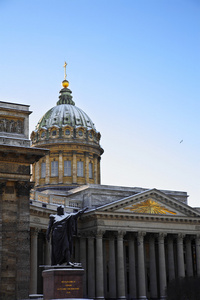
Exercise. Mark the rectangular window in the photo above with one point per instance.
(43, 170)
(90, 170)
(80, 168)
(54, 168)
(67, 168)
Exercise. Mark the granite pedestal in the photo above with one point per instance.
(62, 283)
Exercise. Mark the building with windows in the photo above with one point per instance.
(131, 241)
(16, 155)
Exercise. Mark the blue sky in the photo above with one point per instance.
(133, 67)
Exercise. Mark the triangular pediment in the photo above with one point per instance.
(151, 202)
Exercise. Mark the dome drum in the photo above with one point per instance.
(67, 167)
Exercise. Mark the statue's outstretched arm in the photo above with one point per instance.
(80, 212)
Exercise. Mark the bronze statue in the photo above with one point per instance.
(62, 228)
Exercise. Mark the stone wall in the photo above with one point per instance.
(15, 159)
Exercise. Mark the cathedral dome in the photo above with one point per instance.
(73, 143)
(65, 121)
(65, 114)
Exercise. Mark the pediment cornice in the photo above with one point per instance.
(170, 208)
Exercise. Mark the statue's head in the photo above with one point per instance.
(60, 210)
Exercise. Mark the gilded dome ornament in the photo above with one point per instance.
(149, 207)
(65, 82)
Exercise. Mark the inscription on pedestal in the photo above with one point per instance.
(63, 283)
(70, 286)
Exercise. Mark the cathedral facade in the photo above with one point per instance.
(131, 241)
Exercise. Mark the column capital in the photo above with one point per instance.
(180, 237)
(140, 236)
(161, 236)
(34, 231)
(197, 237)
(100, 233)
(121, 234)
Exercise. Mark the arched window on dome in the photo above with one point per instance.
(67, 168)
(90, 170)
(54, 168)
(80, 168)
(43, 170)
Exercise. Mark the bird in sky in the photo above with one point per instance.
(181, 141)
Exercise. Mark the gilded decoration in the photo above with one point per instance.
(150, 207)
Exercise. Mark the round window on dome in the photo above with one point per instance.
(80, 133)
(54, 133)
(67, 132)
(90, 135)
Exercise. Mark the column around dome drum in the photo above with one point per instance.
(86, 167)
(47, 170)
(60, 167)
(74, 168)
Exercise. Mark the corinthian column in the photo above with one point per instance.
(197, 242)
(162, 265)
(86, 168)
(189, 262)
(180, 256)
(34, 261)
(74, 167)
(132, 273)
(60, 168)
(120, 266)
(47, 170)
(152, 262)
(170, 251)
(91, 268)
(112, 267)
(95, 169)
(83, 260)
(141, 266)
(99, 266)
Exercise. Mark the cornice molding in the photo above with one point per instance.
(142, 217)
(158, 195)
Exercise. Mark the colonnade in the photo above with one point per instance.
(127, 265)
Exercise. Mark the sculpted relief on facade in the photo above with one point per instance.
(11, 126)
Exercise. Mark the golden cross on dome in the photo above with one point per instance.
(65, 64)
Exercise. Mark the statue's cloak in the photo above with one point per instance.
(62, 235)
